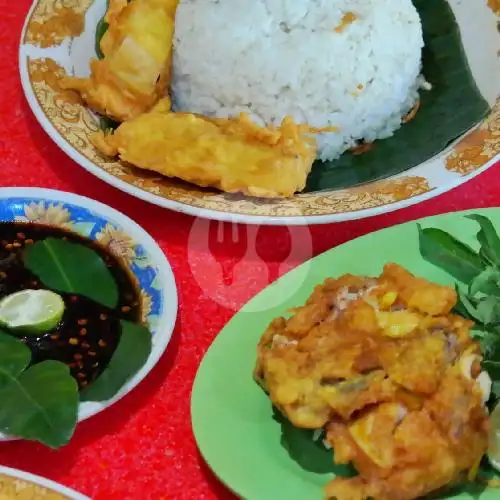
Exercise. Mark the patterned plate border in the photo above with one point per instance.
(127, 241)
(69, 124)
(20, 485)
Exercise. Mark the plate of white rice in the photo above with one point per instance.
(365, 67)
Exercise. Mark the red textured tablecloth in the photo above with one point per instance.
(143, 448)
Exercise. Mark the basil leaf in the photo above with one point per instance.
(488, 311)
(446, 252)
(129, 357)
(14, 358)
(488, 238)
(72, 268)
(466, 305)
(41, 404)
(486, 282)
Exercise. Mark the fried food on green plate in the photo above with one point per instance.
(135, 71)
(390, 374)
(233, 155)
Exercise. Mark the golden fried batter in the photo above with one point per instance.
(234, 155)
(392, 376)
(135, 71)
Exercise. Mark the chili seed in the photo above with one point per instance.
(21, 236)
(29, 241)
(54, 337)
(92, 353)
(83, 322)
(103, 317)
(78, 357)
(80, 375)
(83, 383)
(83, 331)
(126, 309)
(74, 341)
(85, 345)
(16, 244)
(74, 298)
(102, 343)
(2, 275)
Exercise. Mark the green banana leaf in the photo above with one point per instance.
(453, 106)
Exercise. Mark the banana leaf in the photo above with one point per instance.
(453, 106)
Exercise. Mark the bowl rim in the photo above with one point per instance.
(43, 482)
(167, 317)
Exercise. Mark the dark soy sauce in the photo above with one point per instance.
(89, 333)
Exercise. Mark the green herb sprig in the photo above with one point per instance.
(478, 277)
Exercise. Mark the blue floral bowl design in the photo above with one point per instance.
(122, 237)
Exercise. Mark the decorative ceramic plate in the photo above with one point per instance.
(53, 40)
(122, 237)
(232, 417)
(19, 485)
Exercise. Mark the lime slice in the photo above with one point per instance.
(494, 441)
(31, 311)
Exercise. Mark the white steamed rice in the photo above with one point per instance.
(273, 58)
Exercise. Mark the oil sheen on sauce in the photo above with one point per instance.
(89, 333)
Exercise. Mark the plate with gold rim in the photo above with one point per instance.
(19, 485)
(44, 54)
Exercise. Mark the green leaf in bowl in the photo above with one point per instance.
(453, 106)
(130, 356)
(39, 403)
(72, 268)
(14, 358)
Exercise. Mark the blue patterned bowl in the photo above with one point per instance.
(126, 240)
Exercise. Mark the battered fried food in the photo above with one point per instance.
(135, 71)
(234, 155)
(390, 374)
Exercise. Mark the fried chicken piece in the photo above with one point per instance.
(135, 71)
(233, 155)
(392, 376)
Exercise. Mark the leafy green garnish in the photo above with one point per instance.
(488, 239)
(14, 358)
(39, 402)
(479, 271)
(452, 107)
(72, 268)
(129, 357)
(446, 252)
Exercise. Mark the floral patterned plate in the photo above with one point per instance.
(126, 240)
(19, 485)
(55, 38)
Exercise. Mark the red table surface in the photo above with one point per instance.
(143, 447)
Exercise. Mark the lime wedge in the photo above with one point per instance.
(31, 311)
(494, 441)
